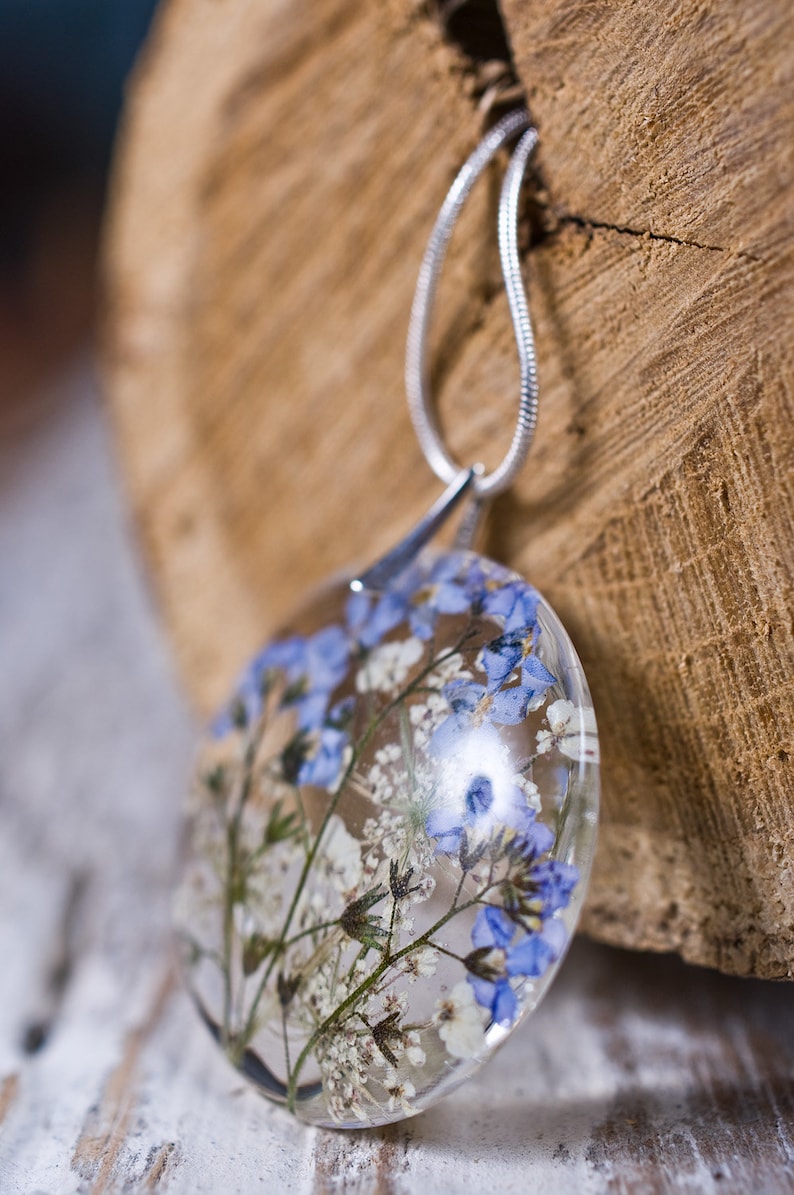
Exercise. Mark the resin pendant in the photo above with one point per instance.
(393, 825)
(391, 833)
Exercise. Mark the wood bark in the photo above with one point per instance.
(281, 169)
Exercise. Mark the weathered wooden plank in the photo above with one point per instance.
(639, 1074)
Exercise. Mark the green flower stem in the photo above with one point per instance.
(448, 953)
(232, 866)
(313, 929)
(304, 821)
(405, 744)
(364, 987)
(285, 1036)
(228, 928)
(374, 725)
(459, 888)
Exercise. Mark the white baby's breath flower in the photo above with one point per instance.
(529, 789)
(385, 835)
(317, 996)
(345, 1059)
(369, 831)
(413, 1049)
(395, 1004)
(420, 964)
(388, 754)
(393, 835)
(339, 856)
(379, 785)
(460, 1021)
(427, 716)
(559, 715)
(417, 712)
(359, 972)
(423, 889)
(400, 1092)
(422, 854)
(262, 904)
(449, 670)
(387, 666)
(545, 742)
(572, 730)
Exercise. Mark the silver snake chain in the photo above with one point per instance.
(416, 356)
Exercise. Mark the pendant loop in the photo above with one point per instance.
(379, 574)
(416, 364)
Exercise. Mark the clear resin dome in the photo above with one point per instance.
(391, 832)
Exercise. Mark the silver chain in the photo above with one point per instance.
(416, 363)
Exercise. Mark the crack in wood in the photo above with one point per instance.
(477, 29)
(645, 234)
(478, 32)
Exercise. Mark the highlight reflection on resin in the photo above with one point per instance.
(391, 831)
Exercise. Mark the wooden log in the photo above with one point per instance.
(280, 172)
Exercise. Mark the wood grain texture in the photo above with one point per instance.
(639, 1074)
(262, 256)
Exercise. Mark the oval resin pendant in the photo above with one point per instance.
(391, 833)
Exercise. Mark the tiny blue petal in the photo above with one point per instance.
(286, 654)
(531, 956)
(524, 613)
(422, 622)
(463, 696)
(555, 935)
(444, 825)
(357, 610)
(556, 881)
(479, 797)
(370, 618)
(510, 706)
(327, 655)
(499, 998)
(535, 676)
(311, 710)
(322, 768)
(500, 658)
(492, 927)
(445, 739)
(484, 991)
(451, 598)
(516, 602)
(505, 1006)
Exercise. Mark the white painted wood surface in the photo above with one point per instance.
(638, 1074)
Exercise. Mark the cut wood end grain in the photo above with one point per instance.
(261, 266)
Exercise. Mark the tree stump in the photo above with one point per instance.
(280, 172)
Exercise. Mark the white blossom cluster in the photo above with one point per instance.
(345, 969)
(354, 1069)
(387, 666)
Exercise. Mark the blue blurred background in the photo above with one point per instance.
(63, 66)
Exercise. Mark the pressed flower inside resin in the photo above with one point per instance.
(391, 832)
